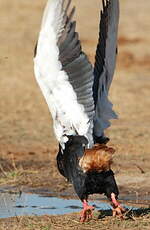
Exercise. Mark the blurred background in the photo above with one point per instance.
(26, 133)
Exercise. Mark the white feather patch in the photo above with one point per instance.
(68, 116)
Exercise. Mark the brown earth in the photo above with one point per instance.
(27, 144)
(70, 221)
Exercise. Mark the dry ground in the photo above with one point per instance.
(27, 143)
(68, 222)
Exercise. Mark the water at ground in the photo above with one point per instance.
(22, 204)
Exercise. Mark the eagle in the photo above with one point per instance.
(77, 96)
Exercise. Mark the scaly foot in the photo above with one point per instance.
(87, 212)
(118, 210)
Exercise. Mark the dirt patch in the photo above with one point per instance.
(129, 60)
(100, 221)
(126, 41)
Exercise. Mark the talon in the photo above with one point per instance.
(118, 210)
(87, 212)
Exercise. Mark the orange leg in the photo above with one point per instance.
(118, 210)
(87, 212)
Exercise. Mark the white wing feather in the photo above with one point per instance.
(68, 115)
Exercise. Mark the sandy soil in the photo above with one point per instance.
(27, 143)
(68, 222)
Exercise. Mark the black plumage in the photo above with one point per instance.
(85, 183)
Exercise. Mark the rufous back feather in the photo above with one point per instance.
(99, 158)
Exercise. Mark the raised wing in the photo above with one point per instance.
(105, 61)
(64, 73)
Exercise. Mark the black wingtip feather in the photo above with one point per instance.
(103, 3)
(107, 15)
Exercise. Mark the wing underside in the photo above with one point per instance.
(76, 94)
(64, 73)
